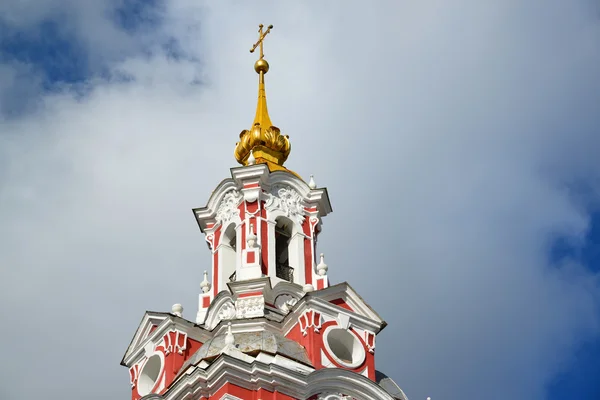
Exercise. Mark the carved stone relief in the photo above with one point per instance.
(285, 302)
(334, 396)
(227, 311)
(250, 307)
(244, 308)
(286, 199)
(228, 207)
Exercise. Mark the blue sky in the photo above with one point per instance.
(67, 68)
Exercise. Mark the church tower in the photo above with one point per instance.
(269, 324)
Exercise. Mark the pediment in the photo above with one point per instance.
(153, 327)
(221, 308)
(343, 297)
(150, 322)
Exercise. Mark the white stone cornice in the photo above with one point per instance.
(272, 377)
(257, 172)
(260, 284)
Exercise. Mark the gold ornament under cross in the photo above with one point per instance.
(261, 38)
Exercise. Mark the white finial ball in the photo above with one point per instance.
(308, 288)
(311, 182)
(177, 309)
(322, 267)
(205, 284)
(251, 237)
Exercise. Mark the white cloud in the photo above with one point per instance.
(445, 134)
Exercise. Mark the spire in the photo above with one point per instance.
(263, 141)
(261, 67)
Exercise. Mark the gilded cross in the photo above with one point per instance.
(261, 38)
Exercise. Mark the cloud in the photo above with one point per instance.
(450, 138)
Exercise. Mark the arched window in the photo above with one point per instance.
(228, 253)
(283, 234)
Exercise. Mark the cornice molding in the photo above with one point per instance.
(198, 382)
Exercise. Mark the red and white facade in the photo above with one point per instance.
(269, 324)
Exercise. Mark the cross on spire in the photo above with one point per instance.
(261, 38)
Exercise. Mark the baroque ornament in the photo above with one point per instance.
(285, 302)
(334, 396)
(286, 199)
(227, 311)
(228, 208)
(250, 307)
(261, 139)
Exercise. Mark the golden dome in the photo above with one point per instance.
(265, 141)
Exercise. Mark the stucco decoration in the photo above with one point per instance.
(227, 311)
(285, 302)
(228, 207)
(250, 307)
(334, 396)
(287, 200)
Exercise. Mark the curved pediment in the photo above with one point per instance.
(317, 197)
(284, 296)
(210, 213)
(221, 308)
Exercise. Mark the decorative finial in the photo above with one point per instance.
(251, 237)
(205, 284)
(263, 141)
(229, 338)
(261, 67)
(177, 309)
(308, 288)
(322, 267)
(261, 64)
(311, 183)
(251, 159)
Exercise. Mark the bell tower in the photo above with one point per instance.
(264, 220)
(269, 324)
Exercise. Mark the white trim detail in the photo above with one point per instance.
(180, 342)
(310, 318)
(149, 349)
(229, 397)
(333, 396)
(207, 380)
(344, 320)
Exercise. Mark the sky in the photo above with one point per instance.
(458, 142)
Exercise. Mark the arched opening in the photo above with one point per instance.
(283, 235)
(344, 347)
(149, 375)
(228, 252)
